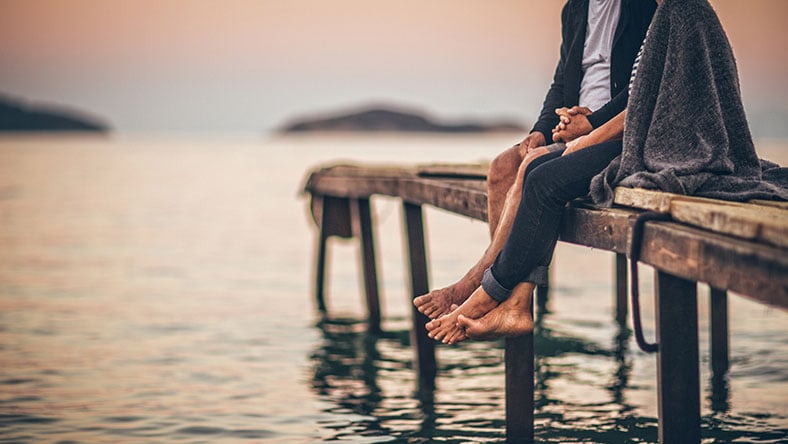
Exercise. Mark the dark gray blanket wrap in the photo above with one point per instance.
(686, 131)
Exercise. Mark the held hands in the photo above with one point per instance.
(531, 141)
(573, 123)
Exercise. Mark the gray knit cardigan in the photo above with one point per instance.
(685, 130)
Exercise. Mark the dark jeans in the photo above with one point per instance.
(551, 181)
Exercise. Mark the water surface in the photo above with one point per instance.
(160, 290)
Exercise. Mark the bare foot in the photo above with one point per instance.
(511, 318)
(446, 328)
(438, 303)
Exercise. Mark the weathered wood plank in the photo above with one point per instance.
(353, 187)
(745, 220)
(465, 197)
(755, 270)
(752, 269)
(770, 203)
(455, 170)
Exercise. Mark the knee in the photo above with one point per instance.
(503, 169)
(543, 183)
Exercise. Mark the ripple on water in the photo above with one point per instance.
(223, 432)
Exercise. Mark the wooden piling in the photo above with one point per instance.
(363, 221)
(519, 357)
(718, 317)
(332, 215)
(320, 270)
(677, 360)
(419, 283)
(621, 288)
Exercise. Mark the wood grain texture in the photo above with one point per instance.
(751, 220)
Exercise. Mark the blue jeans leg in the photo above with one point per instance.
(546, 191)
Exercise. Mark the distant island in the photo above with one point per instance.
(386, 119)
(18, 116)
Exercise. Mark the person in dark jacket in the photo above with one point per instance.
(600, 39)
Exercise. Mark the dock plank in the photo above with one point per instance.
(767, 223)
(755, 270)
(455, 170)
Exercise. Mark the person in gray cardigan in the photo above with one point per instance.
(684, 131)
(600, 39)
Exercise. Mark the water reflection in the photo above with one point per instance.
(719, 393)
(369, 382)
(590, 417)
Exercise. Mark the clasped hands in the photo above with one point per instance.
(572, 127)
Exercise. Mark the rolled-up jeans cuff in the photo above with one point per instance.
(538, 275)
(500, 293)
(493, 287)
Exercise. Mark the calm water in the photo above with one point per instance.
(160, 290)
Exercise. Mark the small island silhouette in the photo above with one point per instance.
(390, 119)
(18, 116)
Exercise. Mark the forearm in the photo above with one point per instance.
(609, 110)
(613, 129)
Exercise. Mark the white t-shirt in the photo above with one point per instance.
(603, 18)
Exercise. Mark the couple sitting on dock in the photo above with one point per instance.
(667, 117)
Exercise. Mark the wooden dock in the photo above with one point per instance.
(729, 246)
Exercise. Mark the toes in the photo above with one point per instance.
(472, 327)
(422, 300)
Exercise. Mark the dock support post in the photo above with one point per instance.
(719, 331)
(677, 361)
(363, 221)
(320, 269)
(519, 357)
(332, 215)
(425, 347)
(621, 288)
(543, 296)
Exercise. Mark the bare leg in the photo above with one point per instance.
(510, 318)
(500, 178)
(446, 328)
(438, 303)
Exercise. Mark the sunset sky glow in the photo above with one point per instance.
(248, 66)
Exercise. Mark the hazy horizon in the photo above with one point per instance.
(248, 66)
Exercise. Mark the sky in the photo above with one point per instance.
(250, 66)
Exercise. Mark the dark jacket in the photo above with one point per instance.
(565, 91)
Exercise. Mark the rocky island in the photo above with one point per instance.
(17, 116)
(386, 119)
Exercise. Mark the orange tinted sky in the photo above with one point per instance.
(243, 65)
